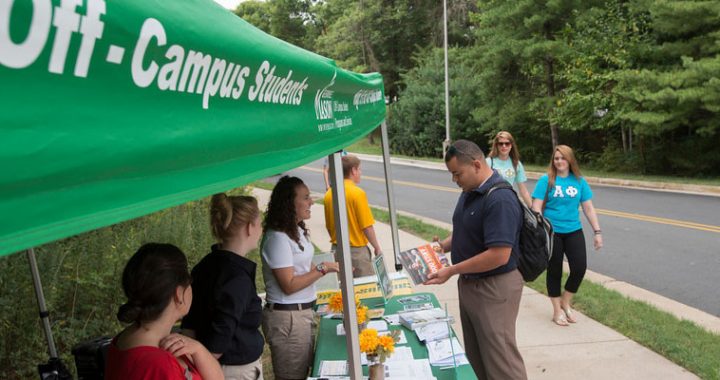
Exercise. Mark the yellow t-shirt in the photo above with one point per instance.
(359, 215)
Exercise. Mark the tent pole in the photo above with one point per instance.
(352, 337)
(44, 315)
(390, 194)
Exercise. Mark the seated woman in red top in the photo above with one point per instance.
(157, 284)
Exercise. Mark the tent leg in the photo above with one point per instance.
(44, 315)
(54, 369)
(346, 278)
(390, 194)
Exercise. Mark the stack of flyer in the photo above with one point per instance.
(433, 331)
(415, 319)
(397, 369)
(408, 370)
(441, 353)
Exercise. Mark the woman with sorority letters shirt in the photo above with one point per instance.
(226, 313)
(505, 158)
(288, 317)
(558, 195)
(157, 285)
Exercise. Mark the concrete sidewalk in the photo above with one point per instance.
(587, 350)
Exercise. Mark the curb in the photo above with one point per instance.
(706, 190)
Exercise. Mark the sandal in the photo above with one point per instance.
(569, 315)
(560, 320)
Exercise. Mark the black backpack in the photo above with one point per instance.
(536, 239)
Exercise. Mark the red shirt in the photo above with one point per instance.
(146, 363)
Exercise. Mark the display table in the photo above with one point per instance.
(330, 346)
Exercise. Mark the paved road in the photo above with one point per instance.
(667, 243)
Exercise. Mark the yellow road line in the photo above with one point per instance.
(619, 214)
(654, 219)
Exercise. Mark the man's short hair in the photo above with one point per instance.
(464, 151)
(348, 163)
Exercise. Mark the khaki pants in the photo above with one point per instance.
(250, 371)
(291, 336)
(488, 313)
(362, 261)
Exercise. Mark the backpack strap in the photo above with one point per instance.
(500, 185)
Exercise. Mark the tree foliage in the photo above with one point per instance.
(623, 82)
(417, 121)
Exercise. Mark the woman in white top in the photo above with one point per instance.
(505, 158)
(289, 275)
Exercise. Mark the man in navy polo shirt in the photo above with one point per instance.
(484, 246)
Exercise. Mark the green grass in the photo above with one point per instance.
(364, 146)
(682, 342)
(411, 225)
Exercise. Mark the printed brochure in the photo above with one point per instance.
(420, 261)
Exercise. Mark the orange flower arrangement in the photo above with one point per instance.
(378, 347)
(336, 306)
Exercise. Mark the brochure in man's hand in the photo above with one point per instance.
(420, 261)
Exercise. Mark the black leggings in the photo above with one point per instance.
(573, 246)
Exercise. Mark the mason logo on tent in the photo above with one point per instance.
(323, 101)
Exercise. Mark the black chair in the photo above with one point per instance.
(90, 358)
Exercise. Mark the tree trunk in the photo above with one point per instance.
(623, 133)
(368, 53)
(550, 83)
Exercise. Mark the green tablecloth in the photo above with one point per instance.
(330, 346)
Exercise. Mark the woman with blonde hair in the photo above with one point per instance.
(558, 195)
(227, 311)
(505, 158)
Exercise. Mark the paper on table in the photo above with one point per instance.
(432, 331)
(377, 325)
(400, 354)
(409, 369)
(392, 319)
(441, 354)
(333, 368)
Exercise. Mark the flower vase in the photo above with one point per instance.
(376, 370)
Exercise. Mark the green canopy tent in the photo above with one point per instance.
(113, 110)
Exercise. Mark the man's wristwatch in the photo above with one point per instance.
(321, 268)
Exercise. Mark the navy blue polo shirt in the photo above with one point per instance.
(226, 311)
(481, 222)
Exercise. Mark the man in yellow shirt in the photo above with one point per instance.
(360, 219)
